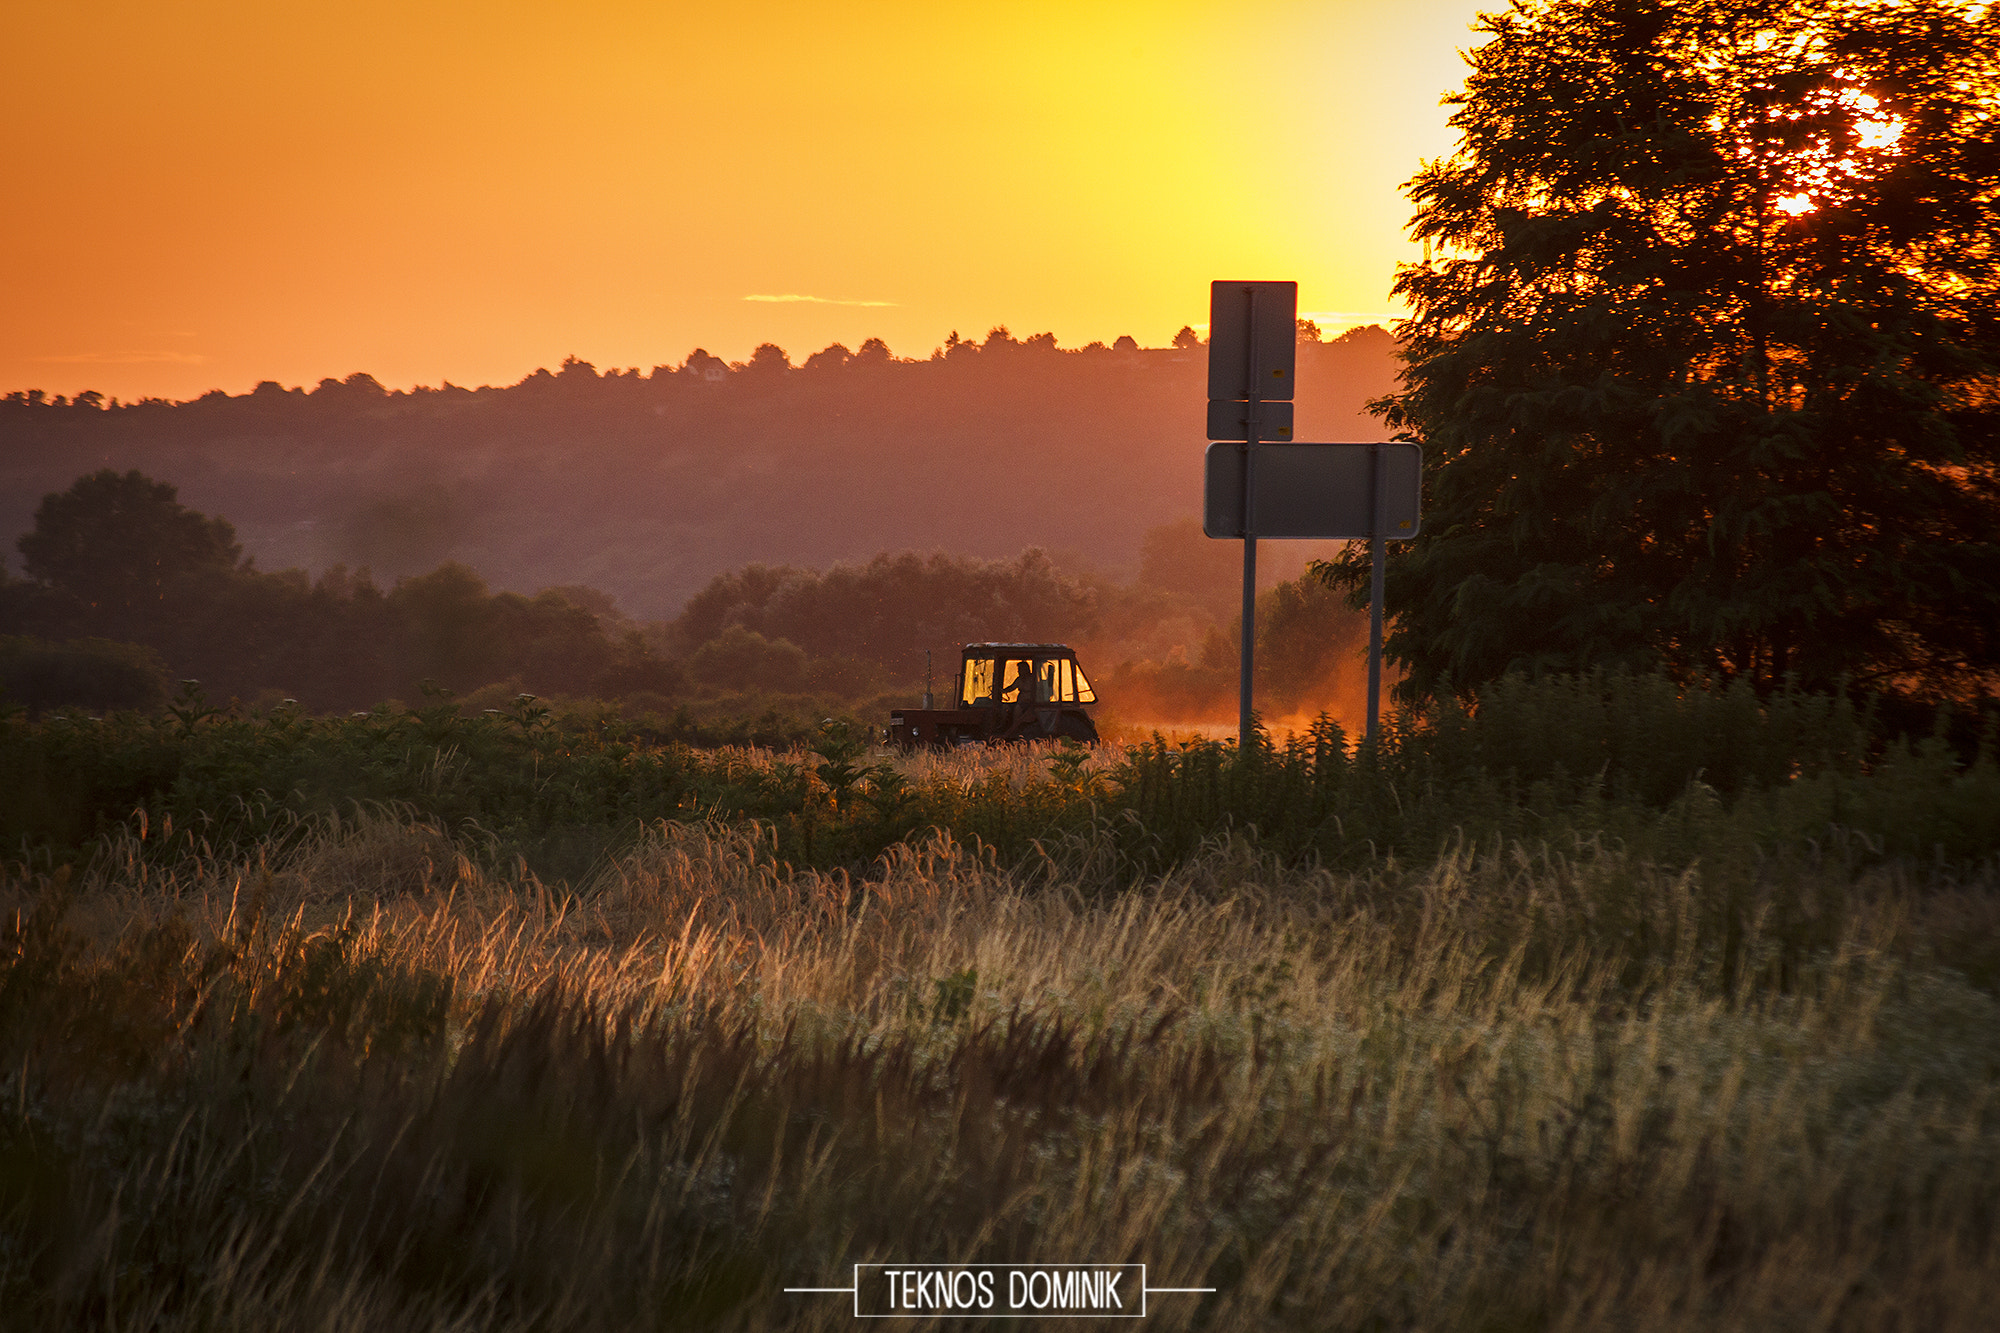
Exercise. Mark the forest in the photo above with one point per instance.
(128, 591)
(579, 534)
(648, 484)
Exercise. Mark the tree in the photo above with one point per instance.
(743, 659)
(1309, 645)
(831, 357)
(449, 628)
(358, 388)
(1707, 367)
(888, 611)
(769, 359)
(118, 542)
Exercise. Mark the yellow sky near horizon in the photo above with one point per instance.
(208, 195)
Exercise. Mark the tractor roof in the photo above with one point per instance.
(1019, 650)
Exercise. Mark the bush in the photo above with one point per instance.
(95, 674)
(743, 659)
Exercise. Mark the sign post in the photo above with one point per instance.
(1376, 524)
(1283, 489)
(1324, 491)
(1252, 351)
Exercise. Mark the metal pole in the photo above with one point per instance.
(1374, 591)
(1244, 710)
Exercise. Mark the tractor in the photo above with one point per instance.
(1005, 692)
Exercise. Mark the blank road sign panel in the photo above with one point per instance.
(1228, 419)
(1230, 325)
(1313, 490)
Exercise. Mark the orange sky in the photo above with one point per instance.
(206, 195)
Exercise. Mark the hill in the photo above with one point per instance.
(649, 485)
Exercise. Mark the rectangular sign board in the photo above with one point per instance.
(1311, 490)
(1240, 313)
(1229, 419)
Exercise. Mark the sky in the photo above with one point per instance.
(210, 194)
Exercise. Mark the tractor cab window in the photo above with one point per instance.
(1021, 686)
(1067, 682)
(978, 689)
(1076, 688)
(1023, 680)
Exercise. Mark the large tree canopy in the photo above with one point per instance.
(118, 542)
(1705, 361)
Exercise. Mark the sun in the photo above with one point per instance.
(1831, 142)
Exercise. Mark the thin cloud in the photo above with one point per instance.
(122, 359)
(813, 300)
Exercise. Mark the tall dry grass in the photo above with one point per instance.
(361, 1082)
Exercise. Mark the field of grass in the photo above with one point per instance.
(1400, 1039)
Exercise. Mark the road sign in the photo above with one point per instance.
(1229, 419)
(1252, 339)
(1315, 490)
(1267, 487)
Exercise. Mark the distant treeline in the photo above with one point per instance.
(885, 613)
(117, 559)
(129, 591)
(647, 484)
